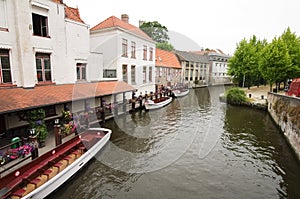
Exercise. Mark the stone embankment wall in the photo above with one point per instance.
(286, 113)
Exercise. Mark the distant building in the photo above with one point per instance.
(218, 64)
(195, 68)
(167, 67)
(129, 53)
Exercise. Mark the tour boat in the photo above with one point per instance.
(157, 103)
(180, 92)
(46, 173)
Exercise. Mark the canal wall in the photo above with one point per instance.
(285, 111)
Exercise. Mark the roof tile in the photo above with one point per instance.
(73, 14)
(166, 59)
(116, 22)
(15, 99)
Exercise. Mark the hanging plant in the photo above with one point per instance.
(36, 120)
(68, 125)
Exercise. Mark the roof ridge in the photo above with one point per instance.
(114, 21)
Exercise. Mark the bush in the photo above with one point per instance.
(236, 96)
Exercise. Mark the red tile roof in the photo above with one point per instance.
(166, 59)
(15, 99)
(116, 22)
(58, 1)
(73, 14)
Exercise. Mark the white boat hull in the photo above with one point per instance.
(150, 106)
(179, 93)
(67, 173)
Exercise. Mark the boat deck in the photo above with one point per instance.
(38, 171)
(34, 174)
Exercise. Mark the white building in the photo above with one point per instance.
(218, 62)
(44, 48)
(37, 43)
(128, 53)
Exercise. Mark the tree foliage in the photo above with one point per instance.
(293, 46)
(165, 46)
(275, 62)
(156, 31)
(243, 65)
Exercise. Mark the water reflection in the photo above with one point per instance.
(254, 141)
(203, 149)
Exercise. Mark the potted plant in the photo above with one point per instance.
(36, 119)
(67, 124)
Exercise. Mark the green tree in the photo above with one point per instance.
(244, 64)
(156, 31)
(275, 64)
(293, 45)
(165, 46)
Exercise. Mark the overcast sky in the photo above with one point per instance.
(194, 24)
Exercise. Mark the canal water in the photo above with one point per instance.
(196, 147)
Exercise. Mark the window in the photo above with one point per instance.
(150, 74)
(124, 72)
(186, 74)
(144, 74)
(151, 54)
(40, 25)
(5, 71)
(43, 67)
(124, 48)
(145, 52)
(3, 19)
(133, 74)
(81, 71)
(133, 49)
(108, 73)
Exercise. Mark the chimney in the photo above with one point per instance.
(125, 18)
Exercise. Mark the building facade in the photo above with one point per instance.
(195, 68)
(129, 54)
(45, 62)
(218, 66)
(167, 68)
(37, 43)
(218, 63)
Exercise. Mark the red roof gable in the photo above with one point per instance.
(116, 22)
(73, 14)
(58, 1)
(14, 99)
(166, 59)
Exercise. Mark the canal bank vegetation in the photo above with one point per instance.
(237, 96)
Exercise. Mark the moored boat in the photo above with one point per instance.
(157, 103)
(180, 92)
(46, 173)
